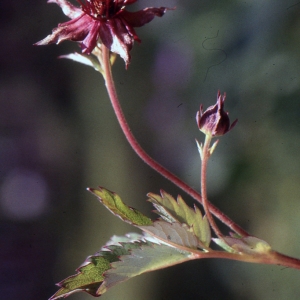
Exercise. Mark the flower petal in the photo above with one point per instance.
(68, 9)
(74, 30)
(114, 35)
(90, 42)
(104, 19)
(142, 17)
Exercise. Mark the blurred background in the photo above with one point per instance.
(59, 135)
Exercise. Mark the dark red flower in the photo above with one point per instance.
(106, 20)
(214, 121)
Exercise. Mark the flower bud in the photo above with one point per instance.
(214, 121)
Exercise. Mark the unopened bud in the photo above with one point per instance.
(214, 121)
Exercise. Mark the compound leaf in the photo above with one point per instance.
(172, 233)
(147, 258)
(88, 278)
(114, 204)
(168, 208)
(121, 259)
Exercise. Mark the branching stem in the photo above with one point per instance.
(109, 82)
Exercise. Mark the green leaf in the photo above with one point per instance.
(121, 259)
(148, 257)
(169, 209)
(115, 205)
(128, 238)
(164, 214)
(88, 278)
(172, 233)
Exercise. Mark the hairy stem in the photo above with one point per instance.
(109, 82)
(204, 161)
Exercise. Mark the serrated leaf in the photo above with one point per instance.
(115, 205)
(180, 211)
(172, 233)
(147, 258)
(128, 238)
(90, 276)
(119, 261)
(164, 214)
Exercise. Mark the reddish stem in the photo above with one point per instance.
(204, 161)
(270, 258)
(109, 82)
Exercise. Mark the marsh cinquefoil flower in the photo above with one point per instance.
(214, 121)
(107, 20)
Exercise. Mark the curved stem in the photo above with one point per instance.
(204, 161)
(109, 82)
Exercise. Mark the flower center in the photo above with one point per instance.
(101, 9)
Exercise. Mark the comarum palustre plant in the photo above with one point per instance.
(105, 29)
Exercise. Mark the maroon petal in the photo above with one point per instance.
(130, 30)
(68, 9)
(115, 36)
(74, 30)
(116, 29)
(142, 17)
(90, 42)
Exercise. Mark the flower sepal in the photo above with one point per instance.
(84, 59)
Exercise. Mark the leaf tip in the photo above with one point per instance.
(163, 193)
(97, 192)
